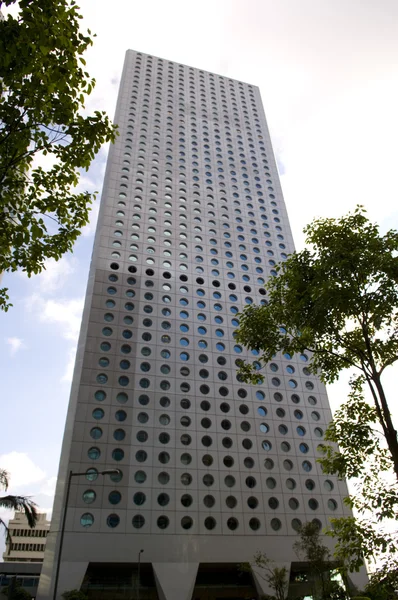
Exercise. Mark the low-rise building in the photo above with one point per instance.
(26, 544)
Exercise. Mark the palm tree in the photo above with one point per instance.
(22, 503)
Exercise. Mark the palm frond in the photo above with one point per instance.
(4, 479)
(21, 503)
(6, 530)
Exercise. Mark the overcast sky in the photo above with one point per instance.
(328, 75)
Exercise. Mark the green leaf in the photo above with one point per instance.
(41, 58)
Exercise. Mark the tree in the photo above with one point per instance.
(45, 140)
(22, 503)
(337, 300)
(275, 577)
(15, 591)
(383, 585)
(310, 549)
(74, 595)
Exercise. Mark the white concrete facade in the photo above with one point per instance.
(192, 222)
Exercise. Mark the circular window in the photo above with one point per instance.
(163, 478)
(119, 434)
(186, 522)
(163, 522)
(163, 499)
(186, 479)
(208, 480)
(86, 520)
(251, 482)
(276, 524)
(207, 460)
(296, 524)
(91, 474)
(140, 476)
(113, 521)
(269, 464)
(332, 504)
(186, 500)
(89, 496)
(94, 453)
(96, 433)
(114, 497)
(139, 498)
(232, 523)
(210, 523)
(141, 456)
(254, 524)
(138, 521)
(164, 438)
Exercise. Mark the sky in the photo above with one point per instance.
(328, 75)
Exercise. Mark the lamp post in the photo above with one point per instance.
(62, 530)
(138, 576)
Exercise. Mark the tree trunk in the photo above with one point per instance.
(390, 431)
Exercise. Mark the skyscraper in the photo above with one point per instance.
(191, 225)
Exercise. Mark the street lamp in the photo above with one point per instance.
(61, 541)
(138, 576)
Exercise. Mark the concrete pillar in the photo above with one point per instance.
(71, 575)
(262, 587)
(175, 581)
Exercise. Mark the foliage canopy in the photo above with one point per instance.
(45, 137)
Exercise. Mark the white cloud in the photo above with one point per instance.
(55, 273)
(89, 229)
(67, 376)
(48, 489)
(22, 469)
(66, 313)
(15, 344)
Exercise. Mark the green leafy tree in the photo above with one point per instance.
(337, 299)
(15, 591)
(275, 577)
(383, 585)
(20, 503)
(74, 595)
(309, 548)
(46, 138)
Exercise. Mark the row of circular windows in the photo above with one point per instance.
(146, 111)
(215, 113)
(162, 85)
(206, 441)
(94, 453)
(210, 523)
(161, 63)
(184, 356)
(185, 421)
(184, 386)
(205, 405)
(168, 287)
(163, 499)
